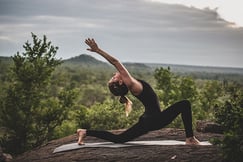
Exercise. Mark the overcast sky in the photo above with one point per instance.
(150, 31)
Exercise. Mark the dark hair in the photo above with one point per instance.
(118, 89)
(121, 90)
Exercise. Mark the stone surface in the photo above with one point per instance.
(208, 127)
(2, 157)
(176, 153)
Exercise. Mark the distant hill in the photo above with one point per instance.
(5, 60)
(138, 67)
(87, 61)
(198, 69)
(84, 60)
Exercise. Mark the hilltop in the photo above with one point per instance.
(85, 60)
(137, 153)
(88, 60)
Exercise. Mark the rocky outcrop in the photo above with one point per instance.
(4, 157)
(208, 127)
(179, 153)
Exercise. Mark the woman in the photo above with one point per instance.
(152, 119)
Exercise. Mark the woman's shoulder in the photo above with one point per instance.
(136, 87)
(143, 82)
(146, 86)
(143, 86)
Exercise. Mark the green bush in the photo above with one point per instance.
(109, 115)
(230, 116)
(31, 107)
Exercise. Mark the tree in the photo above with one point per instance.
(210, 93)
(165, 83)
(173, 88)
(30, 111)
(230, 116)
(108, 115)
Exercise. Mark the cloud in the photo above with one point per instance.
(230, 10)
(136, 31)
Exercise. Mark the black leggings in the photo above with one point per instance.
(150, 123)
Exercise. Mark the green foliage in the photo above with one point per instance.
(173, 88)
(4, 65)
(109, 115)
(230, 116)
(92, 94)
(80, 117)
(28, 110)
(210, 94)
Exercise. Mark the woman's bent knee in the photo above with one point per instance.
(187, 103)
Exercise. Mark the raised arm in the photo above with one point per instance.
(94, 48)
(133, 85)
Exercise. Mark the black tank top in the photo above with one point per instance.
(149, 99)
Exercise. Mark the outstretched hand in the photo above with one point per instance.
(92, 44)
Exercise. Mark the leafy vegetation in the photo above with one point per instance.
(29, 110)
(43, 98)
(230, 116)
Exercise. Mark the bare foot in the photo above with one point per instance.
(81, 135)
(192, 141)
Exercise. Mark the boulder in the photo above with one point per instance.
(208, 127)
(175, 153)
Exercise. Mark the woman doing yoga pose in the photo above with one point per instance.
(152, 119)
